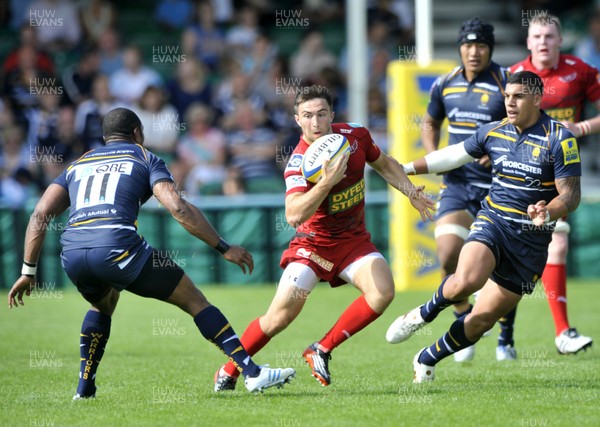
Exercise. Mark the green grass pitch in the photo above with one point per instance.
(158, 370)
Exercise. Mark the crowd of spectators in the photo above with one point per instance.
(215, 97)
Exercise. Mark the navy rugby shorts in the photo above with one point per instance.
(143, 271)
(459, 197)
(520, 253)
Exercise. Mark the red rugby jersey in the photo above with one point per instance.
(342, 212)
(566, 87)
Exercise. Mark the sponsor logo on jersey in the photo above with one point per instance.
(510, 164)
(503, 149)
(320, 261)
(456, 114)
(294, 163)
(295, 181)
(346, 130)
(347, 198)
(562, 114)
(354, 146)
(487, 86)
(570, 151)
(568, 78)
(303, 253)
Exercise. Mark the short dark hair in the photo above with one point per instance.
(533, 82)
(312, 92)
(120, 122)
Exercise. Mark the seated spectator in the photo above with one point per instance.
(63, 146)
(14, 152)
(255, 62)
(173, 14)
(311, 57)
(23, 85)
(252, 151)
(111, 54)
(15, 189)
(276, 82)
(129, 83)
(77, 79)
(44, 122)
(189, 85)
(28, 37)
(89, 114)
(205, 39)
(160, 121)
(97, 16)
(201, 154)
(233, 90)
(242, 35)
(57, 22)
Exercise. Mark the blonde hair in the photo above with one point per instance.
(546, 20)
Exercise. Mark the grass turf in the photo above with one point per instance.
(158, 369)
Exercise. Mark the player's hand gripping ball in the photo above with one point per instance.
(327, 147)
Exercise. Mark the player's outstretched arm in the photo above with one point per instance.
(195, 223)
(301, 206)
(393, 172)
(53, 202)
(448, 158)
(569, 196)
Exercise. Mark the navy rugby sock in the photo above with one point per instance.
(95, 332)
(507, 328)
(436, 304)
(216, 328)
(452, 341)
(462, 314)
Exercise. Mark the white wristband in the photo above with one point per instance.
(28, 269)
(409, 168)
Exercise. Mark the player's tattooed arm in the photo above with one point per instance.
(569, 192)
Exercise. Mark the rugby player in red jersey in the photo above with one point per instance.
(331, 243)
(568, 83)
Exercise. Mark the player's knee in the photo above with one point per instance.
(558, 247)
(478, 324)
(385, 297)
(108, 304)
(188, 297)
(273, 323)
(463, 285)
(448, 256)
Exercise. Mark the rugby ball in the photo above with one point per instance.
(326, 147)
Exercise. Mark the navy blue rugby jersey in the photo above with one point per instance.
(468, 106)
(524, 166)
(106, 188)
